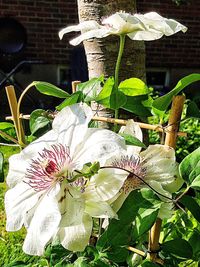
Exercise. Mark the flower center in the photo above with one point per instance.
(52, 166)
(132, 164)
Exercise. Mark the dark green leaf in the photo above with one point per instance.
(161, 104)
(144, 221)
(117, 254)
(117, 99)
(178, 247)
(101, 263)
(195, 243)
(1, 168)
(73, 99)
(147, 263)
(190, 167)
(91, 88)
(137, 105)
(132, 140)
(193, 110)
(49, 89)
(38, 119)
(133, 87)
(118, 231)
(191, 204)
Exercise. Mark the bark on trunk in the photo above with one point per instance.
(102, 53)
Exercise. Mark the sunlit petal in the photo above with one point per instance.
(76, 237)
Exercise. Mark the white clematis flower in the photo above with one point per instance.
(43, 194)
(154, 167)
(148, 27)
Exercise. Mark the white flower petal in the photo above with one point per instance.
(43, 226)
(76, 238)
(18, 163)
(116, 205)
(83, 26)
(159, 162)
(122, 23)
(175, 185)
(98, 145)
(133, 129)
(106, 183)
(97, 33)
(99, 209)
(146, 35)
(71, 123)
(162, 193)
(18, 201)
(165, 211)
(72, 206)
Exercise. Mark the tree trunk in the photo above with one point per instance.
(102, 53)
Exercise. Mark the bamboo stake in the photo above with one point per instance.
(74, 85)
(10, 91)
(157, 128)
(170, 140)
(143, 254)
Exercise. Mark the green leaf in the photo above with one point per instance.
(73, 99)
(9, 129)
(17, 264)
(145, 220)
(1, 167)
(6, 126)
(147, 263)
(161, 104)
(190, 167)
(38, 119)
(196, 183)
(132, 140)
(117, 99)
(117, 254)
(91, 88)
(137, 105)
(81, 262)
(193, 110)
(104, 96)
(109, 97)
(194, 241)
(191, 204)
(178, 247)
(118, 232)
(49, 89)
(133, 87)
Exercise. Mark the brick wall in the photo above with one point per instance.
(44, 18)
(181, 49)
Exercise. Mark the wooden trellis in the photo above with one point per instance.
(171, 132)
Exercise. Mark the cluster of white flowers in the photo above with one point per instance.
(48, 192)
(54, 203)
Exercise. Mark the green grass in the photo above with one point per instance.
(10, 243)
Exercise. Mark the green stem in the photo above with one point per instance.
(117, 67)
(120, 53)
